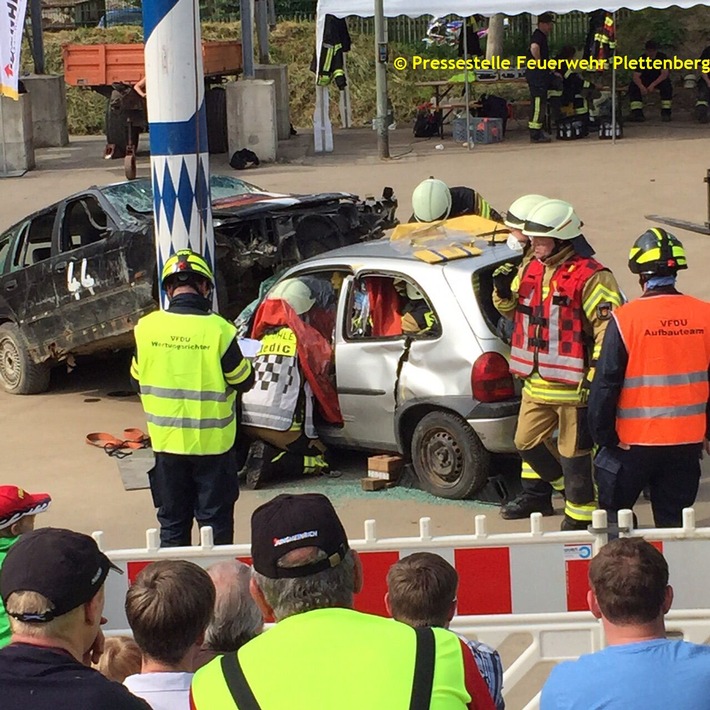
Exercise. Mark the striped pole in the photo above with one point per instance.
(175, 91)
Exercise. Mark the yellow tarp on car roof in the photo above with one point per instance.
(445, 240)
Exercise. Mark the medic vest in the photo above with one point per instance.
(665, 392)
(548, 334)
(273, 401)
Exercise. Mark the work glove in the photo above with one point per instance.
(502, 279)
(584, 387)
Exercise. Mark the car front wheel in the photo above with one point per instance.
(18, 373)
(448, 457)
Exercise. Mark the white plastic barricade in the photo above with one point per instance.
(498, 574)
(532, 583)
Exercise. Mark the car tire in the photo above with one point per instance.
(448, 457)
(18, 373)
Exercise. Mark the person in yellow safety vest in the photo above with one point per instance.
(506, 280)
(650, 399)
(278, 411)
(188, 369)
(305, 578)
(434, 200)
(564, 303)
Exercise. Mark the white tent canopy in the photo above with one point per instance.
(465, 8)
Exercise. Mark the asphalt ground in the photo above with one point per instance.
(656, 168)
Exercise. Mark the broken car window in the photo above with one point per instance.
(37, 240)
(7, 244)
(84, 223)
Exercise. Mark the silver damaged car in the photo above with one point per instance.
(418, 364)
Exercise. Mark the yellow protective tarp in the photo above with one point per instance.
(471, 226)
(449, 239)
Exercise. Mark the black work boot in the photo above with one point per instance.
(255, 465)
(666, 115)
(701, 114)
(525, 505)
(572, 524)
(637, 116)
(539, 136)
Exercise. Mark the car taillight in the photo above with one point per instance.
(491, 380)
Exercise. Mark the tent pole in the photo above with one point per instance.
(383, 137)
(464, 29)
(613, 91)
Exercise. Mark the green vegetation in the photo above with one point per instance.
(684, 32)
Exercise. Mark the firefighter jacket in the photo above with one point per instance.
(564, 306)
(601, 37)
(336, 41)
(651, 384)
(188, 368)
(574, 87)
(281, 398)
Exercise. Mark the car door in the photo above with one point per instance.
(368, 351)
(98, 297)
(27, 284)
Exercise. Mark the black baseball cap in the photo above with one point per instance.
(290, 522)
(66, 567)
(546, 17)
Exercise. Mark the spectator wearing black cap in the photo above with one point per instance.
(321, 653)
(52, 585)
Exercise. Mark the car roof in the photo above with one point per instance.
(386, 248)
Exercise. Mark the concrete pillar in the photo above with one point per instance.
(49, 110)
(251, 117)
(279, 74)
(17, 153)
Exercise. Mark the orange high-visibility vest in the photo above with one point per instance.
(665, 392)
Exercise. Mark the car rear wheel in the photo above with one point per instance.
(18, 373)
(448, 456)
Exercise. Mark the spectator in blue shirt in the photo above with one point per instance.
(421, 591)
(640, 668)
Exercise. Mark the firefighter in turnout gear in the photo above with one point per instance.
(647, 80)
(506, 280)
(291, 378)
(434, 200)
(188, 369)
(539, 77)
(564, 303)
(650, 398)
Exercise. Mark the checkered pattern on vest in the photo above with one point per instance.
(275, 369)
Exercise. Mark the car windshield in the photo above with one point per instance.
(133, 200)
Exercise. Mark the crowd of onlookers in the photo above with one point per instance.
(198, 639)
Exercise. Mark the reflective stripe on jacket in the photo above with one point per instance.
(188, 404)
(309, 662)
(665, 392)
(548, 334)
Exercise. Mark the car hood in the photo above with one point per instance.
(254, 202)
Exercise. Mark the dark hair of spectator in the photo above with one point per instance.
(651, 44)
(421, 589)
(629, 577)
(168, 608)
(567, 52)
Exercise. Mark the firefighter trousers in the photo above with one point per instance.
(665, 90)
(672, 474)
(203, 487)
(538, 104)
(570, 459)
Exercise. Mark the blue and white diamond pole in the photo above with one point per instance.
(175, 90)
